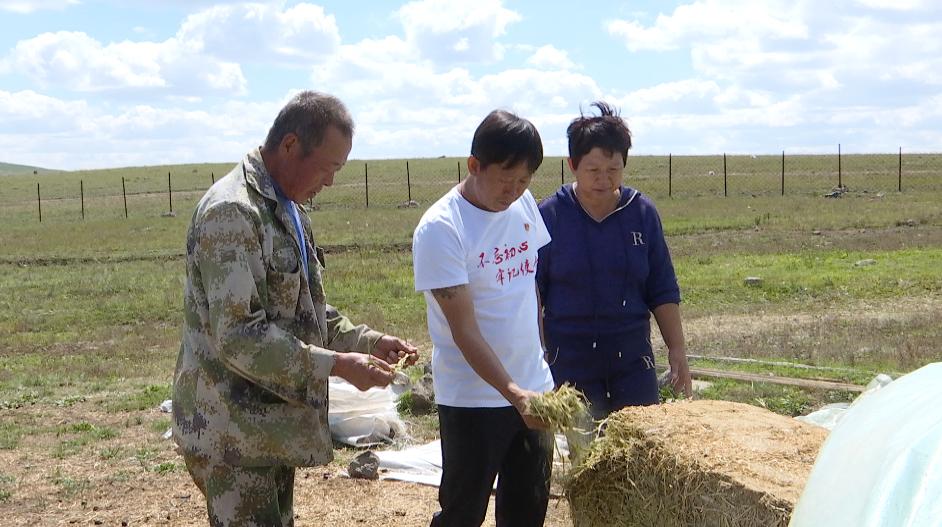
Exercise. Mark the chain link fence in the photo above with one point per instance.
(123, 193)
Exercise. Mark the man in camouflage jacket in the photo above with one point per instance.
(259, 341)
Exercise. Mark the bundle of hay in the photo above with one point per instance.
(705, 463)
(566, 412)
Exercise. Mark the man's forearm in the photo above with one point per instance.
(456, 305)
(344, 336)
(485, 363)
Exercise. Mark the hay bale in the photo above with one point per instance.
(705, 463)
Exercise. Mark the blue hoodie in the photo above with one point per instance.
(603, 278)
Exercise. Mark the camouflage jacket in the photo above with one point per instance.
(250, 386)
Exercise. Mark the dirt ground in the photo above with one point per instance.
(145, 482)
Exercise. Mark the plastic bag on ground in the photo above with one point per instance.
(362, 418)
(423, 463)
(830, 414)
(882, 463)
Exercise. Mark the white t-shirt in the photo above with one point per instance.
(495, 253)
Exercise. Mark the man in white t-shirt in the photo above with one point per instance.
(475, 256)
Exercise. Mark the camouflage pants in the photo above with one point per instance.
(244, 496)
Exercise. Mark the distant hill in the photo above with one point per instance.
(9, 169)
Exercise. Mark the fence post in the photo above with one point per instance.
(839, 184)
(408, 180)
(458, 163)
(366, 182)
(82, 197)
(670, 175)
(900, 177)
(562, 175)
(39, 203)
(725, 194)
(169, 192)
(783, 172)
(124, 192)
(212, 176)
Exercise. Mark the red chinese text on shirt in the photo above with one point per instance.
(500, 256)
(507, 274)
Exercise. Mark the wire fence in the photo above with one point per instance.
(414, 183)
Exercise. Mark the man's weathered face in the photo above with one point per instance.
(497, 186)
(306, 175)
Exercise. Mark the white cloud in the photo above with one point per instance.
(31, 6)
(262, 32)
(82, 134)
(410, 104)
(795, 45)
(449, 31)
(203, 57)
(81, 63)
(671, 96)
(799, 64)
(899, 5)
(30, 112)
(732, 20)
(550, 57)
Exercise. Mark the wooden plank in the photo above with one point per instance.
(772, 379)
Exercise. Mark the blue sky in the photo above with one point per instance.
(94, 84)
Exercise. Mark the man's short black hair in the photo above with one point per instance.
(308, 115)
(607, 131)
(507, 140)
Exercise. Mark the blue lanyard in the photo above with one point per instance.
(296, 219)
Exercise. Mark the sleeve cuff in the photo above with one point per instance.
(321, 361)
(369, 339)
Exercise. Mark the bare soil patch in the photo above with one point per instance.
(137, 478)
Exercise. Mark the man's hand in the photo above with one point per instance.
(391, 349)
(520, 399)
(362, 371)
(680, 372)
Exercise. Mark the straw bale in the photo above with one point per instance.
(705, 463)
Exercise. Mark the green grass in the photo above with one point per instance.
(166, 468)
(145, 455)
(10, 435)
(111, 452)
(852, 376)
(92, 309)
(785, 400)
(10, 169)
(6, 482)
(792, 281)
(68, 486)
(146, 188)
(78, 435)
(159, 426)
(146, 398)
(88, 326)
(161, 240)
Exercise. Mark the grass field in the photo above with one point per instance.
(90, 315)
(389, 183)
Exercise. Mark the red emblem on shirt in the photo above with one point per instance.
(526, 227)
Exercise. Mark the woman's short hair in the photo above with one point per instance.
(607, 131)
(308, 115)
(508, 140)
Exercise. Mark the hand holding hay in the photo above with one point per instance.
(565, 411)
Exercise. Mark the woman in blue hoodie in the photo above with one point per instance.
(605, 271)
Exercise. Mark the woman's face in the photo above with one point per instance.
(599, 174)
